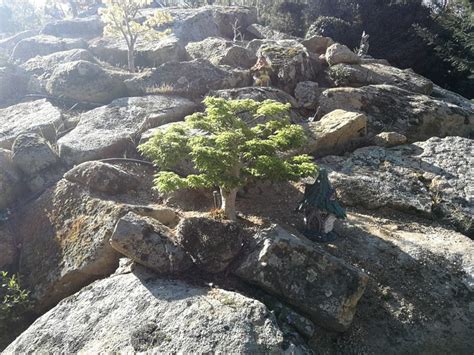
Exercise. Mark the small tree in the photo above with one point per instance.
(227, 152)
(121, 20)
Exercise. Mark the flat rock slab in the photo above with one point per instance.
(31, 117)
(88, 27)
(314, 282)
(109, 131)
(431, 178)
(138, 312)
(390, 108)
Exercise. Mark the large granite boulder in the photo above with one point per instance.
(311, 280)
(43, 45)
(264, 32)
(109, 131)
(149, 243)
(46, 64)
(8, 44)
(212, 244)
(221, 52)
(11, 185)
(390, 108)
(317, 44)
(148, 53)
(84, 81)
(374, 74)
(431, 178)
(17, 85)
(140, 313)
(194, 78)
(290, 63)
(339, 53)
(335, 133)
(37, 116)
(452, 97)
(87, 27)
(307, 94)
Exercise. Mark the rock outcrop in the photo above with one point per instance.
(330, 289)
(138, 312)
(390, 108)
(11, 184)
(109, 131)
(432, 178)
(17, 81)
(87, 27)
(30, 117)
(339, 53)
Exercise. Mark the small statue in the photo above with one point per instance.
(321, 209)
(364, 45)
(261, 71)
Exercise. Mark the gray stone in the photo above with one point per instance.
(87, 27)
(33, 154)
(194, 78)
(30, 117)
(317, 44)
(46, 64)
(452, 97)
(389, 139)
(148, 53)
(390, 108)
(212, 244)
(65, 242)
(374, 74)
(43, 45)
(11, 185)
(339, 53)
(8, 44)
(335, 133)
(431, 178)
(309, 279)
(103, 177)
(307, 94)
(109, 131)
(137, 312)
(149, 243)
(17, 81)
(221, 52)
(265, 32)
(8, 249)
(84, 81)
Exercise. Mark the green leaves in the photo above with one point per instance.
(227, 151)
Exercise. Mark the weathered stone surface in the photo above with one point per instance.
(452, 97)
(212, 244)
(84, 81)
(339, 53)
(147, 53)
(17, 84)
(43, 45)
(109, 131)
(264, 32)
(46, 64)
(431, 178)
(219, 51)
(149, 243)
(37, 116)
(65, 242)
(316, 283)
(32, 154)
(8, 250)
(138, 312)
(335, 133)
(8, 44)
(290, 63)
(389, 139)
(194, 78)
(317, 44)
(10, 180)
(102, 177)
(307, 94)
(88, 27)
(374, 74)
(390, 108)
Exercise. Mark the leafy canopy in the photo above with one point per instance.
(226, 150)
(121, 20)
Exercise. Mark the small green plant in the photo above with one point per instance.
(14, 302)
(227, 151)
(339, 75)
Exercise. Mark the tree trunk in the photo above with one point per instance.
(131, 59)
(228, 203)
